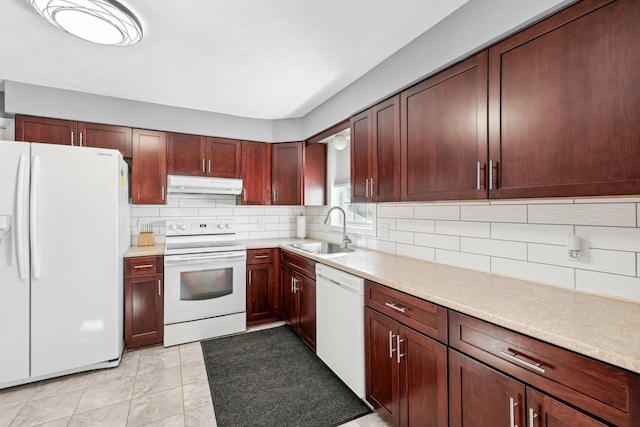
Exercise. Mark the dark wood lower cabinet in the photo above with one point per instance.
(480, 396)
(298, 291)
(545, 411)
(143, 302)
(406, 373)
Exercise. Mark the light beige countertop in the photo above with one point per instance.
(135, 251)
(603, 328)
(606, 329)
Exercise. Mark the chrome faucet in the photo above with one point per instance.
(345, 239)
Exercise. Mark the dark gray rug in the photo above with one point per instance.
(271, 378)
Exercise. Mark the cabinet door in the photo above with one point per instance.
(286, 177)
(186, 154)
(259, 291)
(315, 175)
(144, 308)
(386, 151)
(105, 136)
(423, 380)
(443, 134)
(224, 157)
(306, 290)
(256, 173)
(381, 366)
(149, 167)
(50, 131)
(544, 411)
(361, 157)
(482, 397)
(289, 306)
(564, 107)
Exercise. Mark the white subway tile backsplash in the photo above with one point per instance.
(138, 211)
(606, 214)
(215, 212)
(419, 252)
(494, 213)
(437, 212)
(399, 236)
(518, 238)
(500, 248)
(460, 228)
(608, 284)
(534, 233)
(395, 211)
(249, 210)
(598, 260)
(437, 241)
(616, 238)
(178, 212)
(461, 259)
(416, 225)
(542, 273)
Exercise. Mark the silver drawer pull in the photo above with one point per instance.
(512, 412)
(532, 417)
(395, 307)
(261, 256)
(143, 266)
(514, 358)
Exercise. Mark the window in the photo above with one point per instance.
(360, 216)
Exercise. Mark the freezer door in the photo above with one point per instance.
(75, 255)
(14, 261)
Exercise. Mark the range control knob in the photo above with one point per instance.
(228, 225)
(183, 226)
(172, 226)
(220, 225)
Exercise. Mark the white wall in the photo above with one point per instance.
(518, 238)
(476, 24)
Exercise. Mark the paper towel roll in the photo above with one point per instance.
(301, 227)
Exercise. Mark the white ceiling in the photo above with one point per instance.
(269, 59)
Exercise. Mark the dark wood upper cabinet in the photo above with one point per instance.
(197, 155)
(564, 107)
(361, 157)
(256, 173)
(105, 136)
(67, 132)
(444, 134)
(149, 171)
(41, 129)
(186, 154)
(385, 151)
(287, 175)
(224, 157)
(315, 174)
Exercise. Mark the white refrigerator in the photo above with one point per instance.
(64, 226)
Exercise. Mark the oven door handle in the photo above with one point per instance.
(196, 259)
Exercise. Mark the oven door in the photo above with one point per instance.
(200, 286)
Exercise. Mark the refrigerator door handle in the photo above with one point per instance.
(33, 209)
(20, 231)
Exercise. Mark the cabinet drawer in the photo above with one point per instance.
(301, 264)
(138, 266)
(260, 256)
(597, 387)
(421, 315)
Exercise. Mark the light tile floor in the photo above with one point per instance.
(155, 386)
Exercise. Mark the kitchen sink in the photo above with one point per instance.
(321, 248)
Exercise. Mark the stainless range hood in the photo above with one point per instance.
(203, 185)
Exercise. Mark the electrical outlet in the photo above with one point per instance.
(260, 223)
(384, 230)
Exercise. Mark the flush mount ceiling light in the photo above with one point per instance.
(340, 141)
(99, 21)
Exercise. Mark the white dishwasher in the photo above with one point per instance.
(340, 325)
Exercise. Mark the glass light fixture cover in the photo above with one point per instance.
(99, 21)
(340, 142)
